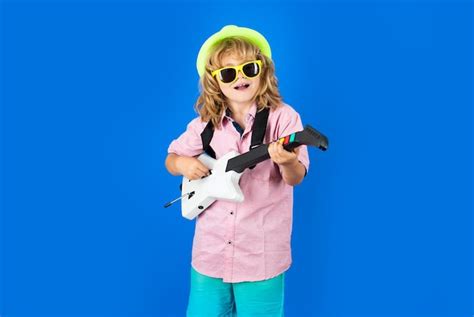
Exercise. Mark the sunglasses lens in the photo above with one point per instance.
(251, 69)
(227, 75)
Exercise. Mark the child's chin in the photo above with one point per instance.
(243, 95)
(243, 99)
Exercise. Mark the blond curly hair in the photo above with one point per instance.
(211, 103)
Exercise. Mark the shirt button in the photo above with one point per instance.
(229, 242)
(232, 212)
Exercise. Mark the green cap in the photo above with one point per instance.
(228, 31)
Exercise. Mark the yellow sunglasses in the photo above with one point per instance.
(228, 74)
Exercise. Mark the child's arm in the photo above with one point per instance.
(190, 167)
(293, 165)
(182, 152)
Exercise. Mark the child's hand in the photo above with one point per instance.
(191, 167)
(292, 170)
(281, 156)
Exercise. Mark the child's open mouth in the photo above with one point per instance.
(242, 86)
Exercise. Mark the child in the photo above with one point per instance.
(241, 250)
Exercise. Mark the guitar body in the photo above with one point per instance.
(219, 184)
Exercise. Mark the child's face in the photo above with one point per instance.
(244, 95)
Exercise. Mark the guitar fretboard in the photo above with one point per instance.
(259, 154)
(309, 136)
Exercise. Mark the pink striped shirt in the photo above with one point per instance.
(248, 241)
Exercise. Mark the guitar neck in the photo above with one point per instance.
(308, 136)
(252, 157)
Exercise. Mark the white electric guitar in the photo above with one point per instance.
(223, 181)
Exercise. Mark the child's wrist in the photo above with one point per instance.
(179, 164)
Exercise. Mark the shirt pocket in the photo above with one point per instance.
(265, 171)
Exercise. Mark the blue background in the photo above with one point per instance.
(93, 92)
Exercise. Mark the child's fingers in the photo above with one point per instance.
(272, 148)
(284, 153)
(200, 173)
(273, 151)
(203, 169)
(279, 148)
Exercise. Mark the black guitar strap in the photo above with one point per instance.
(258, 133)
(258, 129)
(206, 137)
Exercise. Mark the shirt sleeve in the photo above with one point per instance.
(290, 122)
(189, 143)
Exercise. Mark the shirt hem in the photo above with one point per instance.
(286, 268)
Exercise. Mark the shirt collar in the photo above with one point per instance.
(250, 115)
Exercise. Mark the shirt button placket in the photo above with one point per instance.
(229, 250)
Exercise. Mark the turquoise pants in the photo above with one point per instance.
(211, 297)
